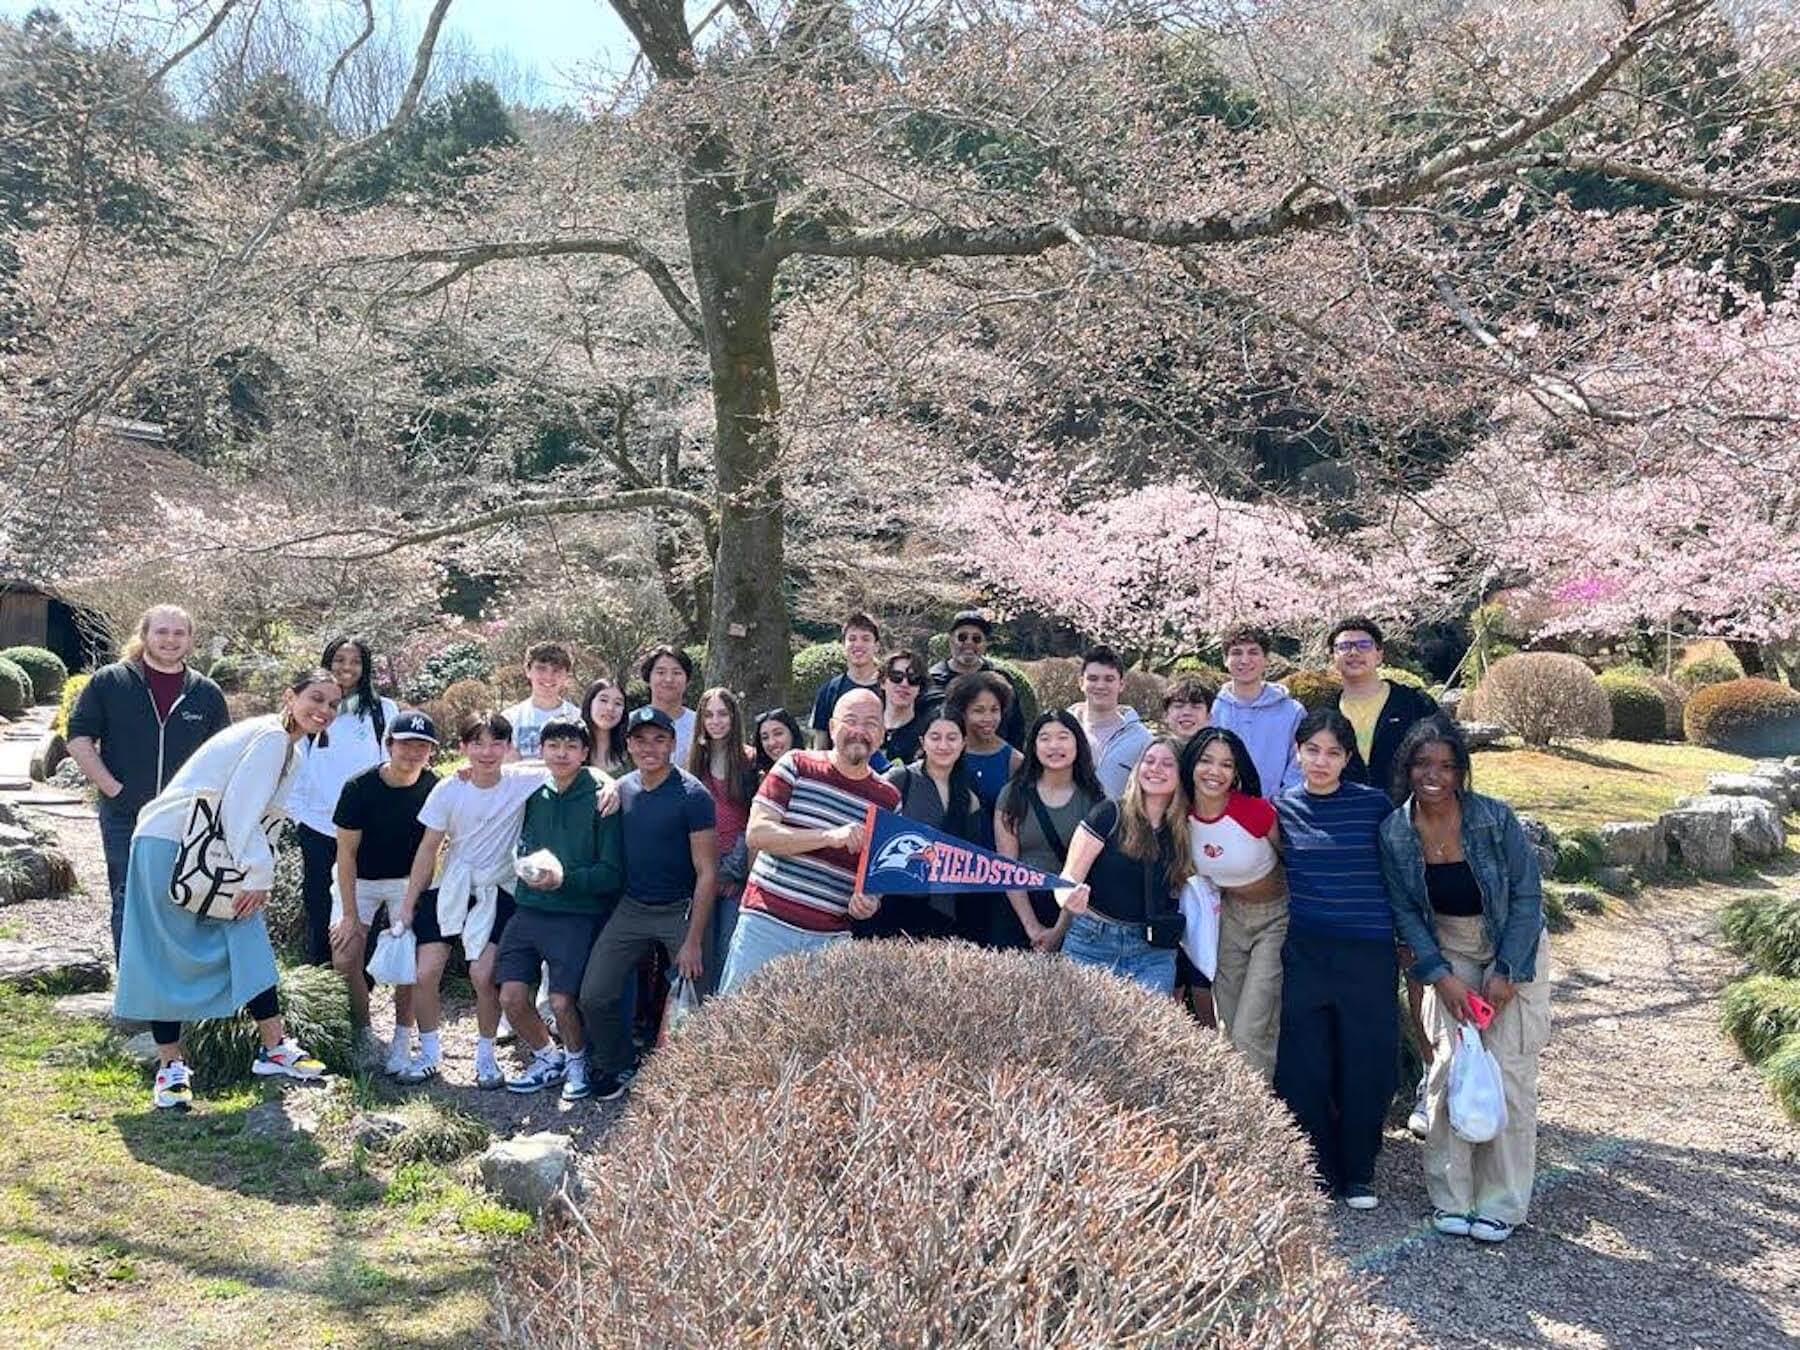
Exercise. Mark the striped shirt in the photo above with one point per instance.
(812, 890)
(1332, 848)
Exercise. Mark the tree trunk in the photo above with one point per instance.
(734, 272)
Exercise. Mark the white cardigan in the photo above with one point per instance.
(247, 769)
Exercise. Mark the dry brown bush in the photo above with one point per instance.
(898, 1144)
(460, 701)
(1543, 696)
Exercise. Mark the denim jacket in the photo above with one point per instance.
(1506, 870)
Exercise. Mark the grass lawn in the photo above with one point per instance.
(1596, 781)
(124, 1227)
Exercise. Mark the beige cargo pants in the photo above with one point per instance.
(1247, 981)
(1492, 1179)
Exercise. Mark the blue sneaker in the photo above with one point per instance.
(547, 1069)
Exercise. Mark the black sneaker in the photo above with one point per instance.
(611, 1086)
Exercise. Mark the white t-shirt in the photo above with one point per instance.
(528, 723)
(351, 748)
(684, 735)
(481, 825)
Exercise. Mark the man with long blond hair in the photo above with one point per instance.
(135, 723)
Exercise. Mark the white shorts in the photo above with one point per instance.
(370, 896)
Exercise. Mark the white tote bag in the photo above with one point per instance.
(1477, 1090)
(1200, 924)
(396, 959)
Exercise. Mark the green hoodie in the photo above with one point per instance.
(584, 842)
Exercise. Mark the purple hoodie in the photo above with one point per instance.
(1266, 726)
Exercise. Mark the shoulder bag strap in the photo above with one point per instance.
(1047, 826)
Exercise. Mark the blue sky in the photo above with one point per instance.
(557, 37)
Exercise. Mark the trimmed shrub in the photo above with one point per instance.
(1579, 854)
(460, 701)
(1782, 1070)
(314, 1005)
(1638, 713)
(1401, 675)
(65, 703)
(893, 1143)
(228, 673)
(1766, 929)
(1759, 1012)
(458, 661)
(1674, 704)
(1193, 668)
(1759, 718)
(45, 669)
(1057, 680)
(937, 648)
(1714, 668)
(1314, 688)
(15, 688)
(1542, 697)
(1024, 692)
(812, 666)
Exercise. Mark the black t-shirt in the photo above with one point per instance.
(1119, 884)
(389, 820)
(903, 742)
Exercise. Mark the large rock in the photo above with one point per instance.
(97, 1006)
(31, 871)
(1753, 823)
(53, 968)
(529, 1169)
(1480, 735)
(1634, 843)
(1701, 839)
(51, 751)
(1543, 841)
(1770, 790)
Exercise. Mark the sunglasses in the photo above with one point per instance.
(1353, 645)
(911, 677)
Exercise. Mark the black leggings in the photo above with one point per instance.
(262, 1008)
(318, 860)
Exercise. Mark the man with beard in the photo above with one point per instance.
(806, 830)
(969, 633)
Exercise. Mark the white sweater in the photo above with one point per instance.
(248, 771)
(352, 748)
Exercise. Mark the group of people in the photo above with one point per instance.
(1339, 845)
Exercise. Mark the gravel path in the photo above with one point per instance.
(1667, 1210)
(1668, 1202)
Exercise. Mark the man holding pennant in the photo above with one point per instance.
(807, 829)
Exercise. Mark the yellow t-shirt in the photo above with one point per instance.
(1363, 714)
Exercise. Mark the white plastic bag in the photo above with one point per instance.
(396, 959)
(541, 870)
(1477, 1090)
(683, 1002)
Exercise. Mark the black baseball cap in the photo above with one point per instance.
(648, 717)
(975, 617)
(412, 726)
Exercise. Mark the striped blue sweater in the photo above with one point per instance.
(1331, 847)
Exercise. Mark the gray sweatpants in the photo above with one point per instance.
(633, 929)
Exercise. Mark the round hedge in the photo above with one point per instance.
(1708, 670)
(15, 688)
(1746, 717)
(46, 669)
(1543, 697)
(811, 667)
(1638, 712)
(1024, 692)
(1314, 688)
(894, 1143)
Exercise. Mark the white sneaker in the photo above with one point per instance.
(1450, 1225)
(399, 1055)
(575, 1086)
(1418, 1124)
(1484, 1229)
(172, 1092)
(487, 1075)
(287, 1060)
(418, 1070)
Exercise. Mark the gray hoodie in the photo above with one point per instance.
(1266, 726)
(1114, 761)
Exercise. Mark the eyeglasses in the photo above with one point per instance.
(1353, 645)
(911, 677)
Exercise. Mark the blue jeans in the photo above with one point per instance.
(718, 941)
(1122, 950)
(759, 940)
(115, 840)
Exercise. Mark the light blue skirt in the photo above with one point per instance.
(174, 967)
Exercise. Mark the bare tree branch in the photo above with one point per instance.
(187, 49)
(466, 258)
(337, 67)
(392, 540)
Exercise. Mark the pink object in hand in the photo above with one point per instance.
(1481, 1012)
